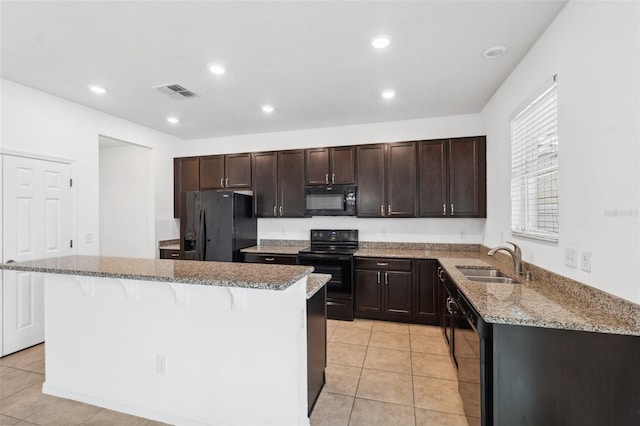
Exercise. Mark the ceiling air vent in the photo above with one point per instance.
(175, 91)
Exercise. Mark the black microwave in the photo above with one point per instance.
(330, 200)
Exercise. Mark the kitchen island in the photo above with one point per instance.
(183, 342)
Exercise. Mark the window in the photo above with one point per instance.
(534, 166)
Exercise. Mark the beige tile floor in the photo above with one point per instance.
(386, 373)
(378, 373)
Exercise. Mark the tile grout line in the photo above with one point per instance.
(355, 396)
(413, 391)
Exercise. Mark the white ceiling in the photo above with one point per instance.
(311, 60)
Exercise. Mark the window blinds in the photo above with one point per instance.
(534, 167)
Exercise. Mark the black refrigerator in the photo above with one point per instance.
(216, 225)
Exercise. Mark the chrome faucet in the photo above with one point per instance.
(516, 254)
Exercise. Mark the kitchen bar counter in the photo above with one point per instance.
(225, 274)
(181, 342)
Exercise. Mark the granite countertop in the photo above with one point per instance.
(549, 301)
(262, 249)
(225, 274)
(315, 283)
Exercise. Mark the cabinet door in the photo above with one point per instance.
(291, 183)
(371, 178)
(212, 172)
(425, 292)
(238, 170)
(401, 180)
(467, 177)
(432, 178)
(343, 165)
(317, 166)
(397, 287)
(265, 183)
(186, 177)
(367, 291)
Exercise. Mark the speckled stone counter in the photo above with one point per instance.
(315, 282)
(268, 249)
(225, 274)
(549, 300)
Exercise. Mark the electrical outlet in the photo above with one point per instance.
(585, 261)
(461, 234)
(571, 257)
(161, 364)
(88, 238)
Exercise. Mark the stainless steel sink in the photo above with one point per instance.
(501, 280)
(486, 276)
(472, 272)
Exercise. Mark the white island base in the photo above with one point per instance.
(178, 353)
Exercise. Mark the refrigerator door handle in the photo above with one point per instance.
(203, 236)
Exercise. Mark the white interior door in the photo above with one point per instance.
(36, 225)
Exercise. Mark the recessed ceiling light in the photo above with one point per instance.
(97, 89)
(494, 52)
(380, 41)
(388, 94)
(173, 120)
(217, 69)
(267, 108)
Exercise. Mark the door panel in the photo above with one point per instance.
(211, 172)
(466, 175)
(291, 183)
(367, 292)
(432, 178)
(371, 179)
(342, 165)
(238, 170)
(36, 212)
(265, 183)
(401, 180)
(398, 287)
(317, 166)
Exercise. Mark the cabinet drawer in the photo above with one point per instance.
(381, 263)
(280, 259)
(170, 254)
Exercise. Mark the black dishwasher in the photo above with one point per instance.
(472, 352)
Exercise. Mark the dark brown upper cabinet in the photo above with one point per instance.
(278, 187)
(327, 166)
(186, 177)
(387, 180)
(225, 171)
(452, 177)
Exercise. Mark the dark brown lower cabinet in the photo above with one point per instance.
(544, 376)
(316, 345)
(170, 254)
(279, 259)
(426, 292)
(383, 289)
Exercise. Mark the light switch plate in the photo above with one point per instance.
(571, 257)
(585, 261)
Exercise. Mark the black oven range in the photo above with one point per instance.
(331, 252)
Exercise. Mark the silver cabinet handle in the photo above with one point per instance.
(444, 209)
(326, 178)
(275, 213)
(451, 209)
(386, 278)
(381, 210)
(280, 210)
(382, 263)
(222, 182)
(333, 178)
(269, 259)
(389, 209)
(226, 182)
(175, 254)
(378, 277)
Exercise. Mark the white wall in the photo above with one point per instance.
(594, 47)
(126, 203)
(34, 121)
(408, 230)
